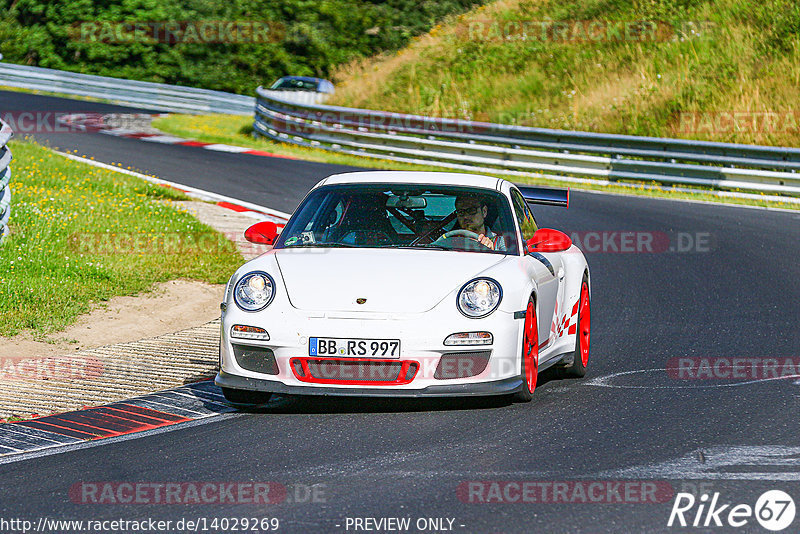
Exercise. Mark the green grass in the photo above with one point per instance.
(235, 130)
(81, 235)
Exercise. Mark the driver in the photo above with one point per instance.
(471, 211)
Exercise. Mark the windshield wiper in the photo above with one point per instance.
(418, 247)
(320, 245)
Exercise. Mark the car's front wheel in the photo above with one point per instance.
(530, 354)
(580, 359)
(245, 397)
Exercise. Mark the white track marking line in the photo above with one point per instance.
(166, 139)
(602, 381)
(715, 460)
(227, 148)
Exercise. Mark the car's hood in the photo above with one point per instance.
(392, 281)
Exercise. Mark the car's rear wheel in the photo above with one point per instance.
(580, 359)
(245, 397)
(530, 354)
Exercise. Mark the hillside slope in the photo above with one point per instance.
(724, 70)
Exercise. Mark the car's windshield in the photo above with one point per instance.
(433, 217)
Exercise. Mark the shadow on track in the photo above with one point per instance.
(320, 404)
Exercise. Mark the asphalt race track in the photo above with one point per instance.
(728, 289)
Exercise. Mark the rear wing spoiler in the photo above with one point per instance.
(544, 195)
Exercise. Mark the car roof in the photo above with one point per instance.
(302, 78)
(415, 177)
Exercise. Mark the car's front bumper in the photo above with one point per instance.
(421, 337)
(477, 389)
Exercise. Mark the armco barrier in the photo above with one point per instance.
(5, 177)
(500, 148)
(157, 96)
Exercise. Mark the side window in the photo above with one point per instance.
(524, 216)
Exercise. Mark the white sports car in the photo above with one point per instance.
(406, 284)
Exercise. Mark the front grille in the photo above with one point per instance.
(256, 359)
(462, 364)
(354, 371)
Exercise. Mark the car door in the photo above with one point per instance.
(548, 268)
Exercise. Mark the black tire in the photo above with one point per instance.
(525, 394)
(578, 369)
(245, 397)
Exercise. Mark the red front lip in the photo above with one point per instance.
(401, 376)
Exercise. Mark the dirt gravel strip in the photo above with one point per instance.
(107, 374)
(49, 384)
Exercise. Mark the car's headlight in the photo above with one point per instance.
(254, 291)
(479, 297)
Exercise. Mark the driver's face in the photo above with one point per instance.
(471, 215)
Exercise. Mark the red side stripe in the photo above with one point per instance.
(146, 412)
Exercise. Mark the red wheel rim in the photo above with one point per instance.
(585, 326)
(531, 347)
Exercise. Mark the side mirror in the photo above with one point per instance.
(263, 233)
(549, 240)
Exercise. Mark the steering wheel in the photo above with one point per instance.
(459, 233)
(464, 234)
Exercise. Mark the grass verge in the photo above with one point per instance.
(81, 235)
(236, 130)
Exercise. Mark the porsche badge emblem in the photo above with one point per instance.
(360, 301)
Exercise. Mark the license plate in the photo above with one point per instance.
(365, 348)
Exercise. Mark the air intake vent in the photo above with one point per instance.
(462, 364)
(256, 359)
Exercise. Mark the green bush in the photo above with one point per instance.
(316, 36)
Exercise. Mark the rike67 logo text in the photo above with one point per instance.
(774, 510)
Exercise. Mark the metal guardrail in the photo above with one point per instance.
(5, 177)
(157, 96)
(499, 148)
